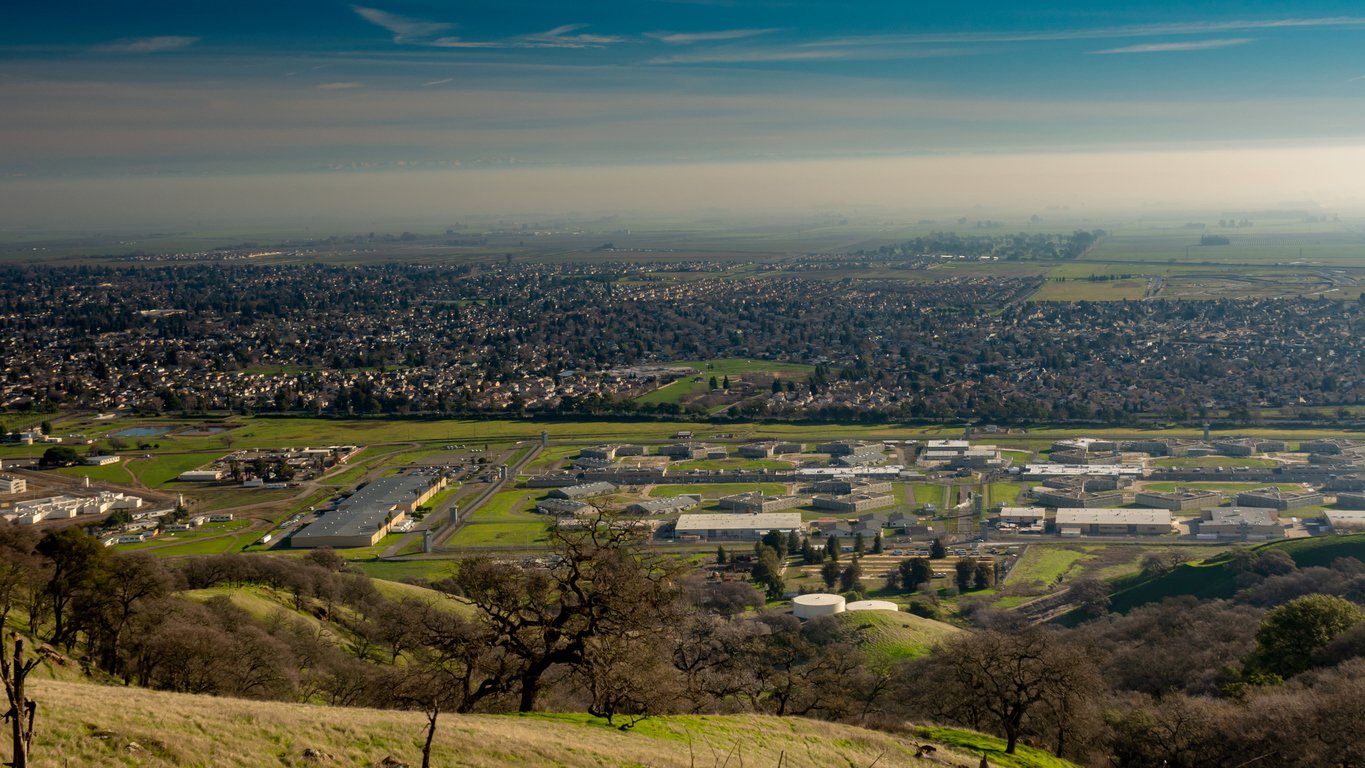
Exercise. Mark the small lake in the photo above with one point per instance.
(142, 432)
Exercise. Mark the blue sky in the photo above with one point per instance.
(183, 89)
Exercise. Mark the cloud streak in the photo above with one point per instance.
(148, 44)
(758, 55)
(688, 38)
(1197, 45)
(558, 37)
(404, 29)
(1146, 30)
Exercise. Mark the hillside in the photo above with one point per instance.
(896, 636)
(88, 725)
(1209, 579)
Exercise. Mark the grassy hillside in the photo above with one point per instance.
(88, 725)
(896, 636)
(1209, 579)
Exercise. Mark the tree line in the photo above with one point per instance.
(608, 625)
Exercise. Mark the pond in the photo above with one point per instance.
(142, 431)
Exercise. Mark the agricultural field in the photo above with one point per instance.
(1061, 563)
(1003, 493)
(163, 469)
(1084, 290)
(111, 473)
(932, 494)
(486, 534)
(509, 505)
(176, 537)
(207, 547)
(1215, 461)
(734, 368)
(551, 458)
(396, 570)
(718, 490)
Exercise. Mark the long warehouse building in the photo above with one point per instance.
(366, 517)
(736, 526)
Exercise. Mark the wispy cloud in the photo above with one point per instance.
(148, 44)
(734, 55)
(1145, 30)
(1197, 45)
(558, 37)
(738, 57)
(437, 82)
(404, 29)
(688, 38)
(339, 86)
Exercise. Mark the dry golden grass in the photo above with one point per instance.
(89, 725)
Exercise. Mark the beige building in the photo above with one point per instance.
(1113, 522)
(855, 502)
(1078, 499)
(1351, 500)
(1182, 499)
(1345, 520)
(757, 502)
(1233, 522)
(846, 485)
(1274, 498)
(768, 449)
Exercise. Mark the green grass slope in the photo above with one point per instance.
(896, 636)
(88, 725)
(1209, 579)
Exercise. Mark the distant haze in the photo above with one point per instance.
(1091, 183)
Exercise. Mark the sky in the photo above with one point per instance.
(500, 105)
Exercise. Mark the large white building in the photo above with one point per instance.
(57, 507)
(1113, 522)
(736, 526)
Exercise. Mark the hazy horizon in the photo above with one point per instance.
(160, 113)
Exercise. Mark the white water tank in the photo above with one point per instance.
(811, 606)
(872, 605)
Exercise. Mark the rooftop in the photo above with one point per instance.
(364, 512)
(1111, 516)
(763, 521)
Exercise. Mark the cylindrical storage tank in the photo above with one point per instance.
(811, 606)
(872, 605)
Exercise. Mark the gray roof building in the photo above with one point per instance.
(665, 505)
(1234, 522)
(732, 526)
(367, 515)
(1274, 498)
(582, 491)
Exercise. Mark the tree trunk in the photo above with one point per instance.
(431, 733)
(530, 686)
(1010, 742)
(22, 711)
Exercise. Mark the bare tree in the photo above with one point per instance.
(1010, 674)
(21, 709)
(606, 582)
